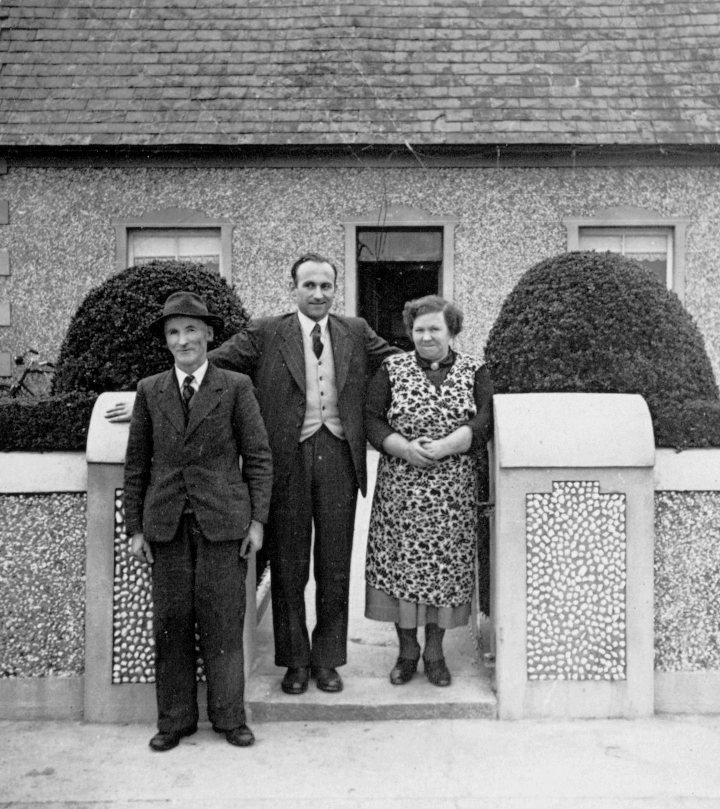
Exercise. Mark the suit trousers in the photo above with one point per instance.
(198, 583)
(321, 492)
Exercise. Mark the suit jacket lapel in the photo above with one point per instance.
(341, 344)
(291, 347)
(206, 398)
(169, 401)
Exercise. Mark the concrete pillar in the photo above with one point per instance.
(572, 555)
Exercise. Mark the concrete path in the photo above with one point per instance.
(420, 764)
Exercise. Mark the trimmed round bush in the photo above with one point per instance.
(108, 346)
(602, 323)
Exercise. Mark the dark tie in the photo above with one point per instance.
(317, 342)
(187, 392)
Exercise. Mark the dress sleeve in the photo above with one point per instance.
(482, 423)
(377, 403)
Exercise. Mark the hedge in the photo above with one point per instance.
(601, 322)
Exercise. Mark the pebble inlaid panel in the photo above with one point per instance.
(576, 577)
(133, 659)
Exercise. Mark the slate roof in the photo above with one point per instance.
(260, 72)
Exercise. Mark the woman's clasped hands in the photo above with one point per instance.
(424, 451)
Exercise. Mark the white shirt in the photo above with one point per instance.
(307, 324)
(197, 376)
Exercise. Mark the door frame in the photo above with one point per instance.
(389, 216)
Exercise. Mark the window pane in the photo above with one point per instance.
(197, 245)
(657, 266)
(601, 243)
(652, 247)
(201, 245)
(646, 243)
(151, 247)
(399, 244)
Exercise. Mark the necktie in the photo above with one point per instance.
(188, 391)
(317, 342)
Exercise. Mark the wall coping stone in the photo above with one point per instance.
(42, 472)
(46, 472)
(579, 430)
(689, 470)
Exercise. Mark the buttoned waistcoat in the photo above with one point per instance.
(271, 352)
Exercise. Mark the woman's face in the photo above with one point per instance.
(431, 336)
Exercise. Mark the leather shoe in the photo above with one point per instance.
(327, 679)
(295, 681)
(241, 736)
(403, 670)
(437, 672)
(161, 742)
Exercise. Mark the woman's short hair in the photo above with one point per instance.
(433, 303)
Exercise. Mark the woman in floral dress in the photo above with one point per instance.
(429, 413)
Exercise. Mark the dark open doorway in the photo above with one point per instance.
(395, 265)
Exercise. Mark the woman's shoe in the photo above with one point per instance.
(437, 672)
(403, 670)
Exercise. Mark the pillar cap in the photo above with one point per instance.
(573, 430)
(107, 441)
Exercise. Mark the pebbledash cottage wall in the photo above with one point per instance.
(61, 235)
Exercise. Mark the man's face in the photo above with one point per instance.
(315, 289)
(188, 338)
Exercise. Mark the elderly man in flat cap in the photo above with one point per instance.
(198, 480)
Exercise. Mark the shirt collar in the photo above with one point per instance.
(307, 323)
(197, 375)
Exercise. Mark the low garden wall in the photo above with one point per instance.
(43, 517)
(687, 581)
(43, 528)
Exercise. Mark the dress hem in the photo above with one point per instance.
(380, 606)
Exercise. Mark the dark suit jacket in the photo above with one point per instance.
(168, 463)
(271, 352)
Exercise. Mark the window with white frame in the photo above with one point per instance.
(175, 233)
(655, 241)
(201, 245)
(652, 247)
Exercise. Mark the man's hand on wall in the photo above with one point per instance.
(122, 411)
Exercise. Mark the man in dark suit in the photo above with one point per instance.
(198, 479)
(310, 369)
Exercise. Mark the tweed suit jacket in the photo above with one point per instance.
(168, 463)
(270, 351)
